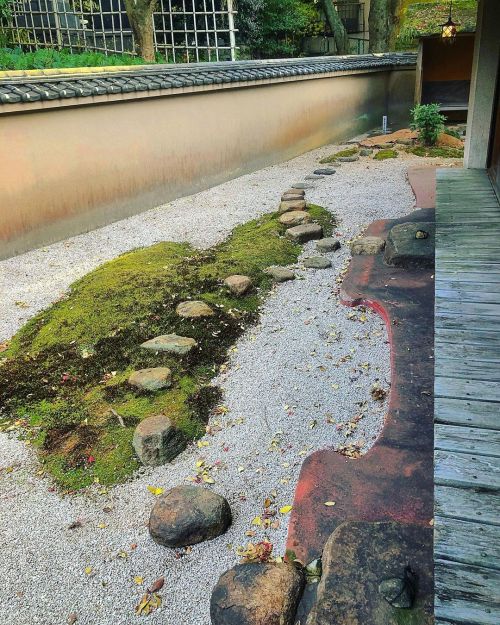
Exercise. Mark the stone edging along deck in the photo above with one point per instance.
(70, 83)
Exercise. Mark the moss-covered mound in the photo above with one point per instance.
(436, 151)
(64, 375)
(342, 154)
(383, 155)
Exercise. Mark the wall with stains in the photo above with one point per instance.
(68, 169)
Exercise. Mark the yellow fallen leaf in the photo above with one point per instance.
(203, 444)
(285, 509)
(199, 463)
(88, 570)
(330, 503)
(138, 580)
(257, 521)
(208, 480)
(240, 469)
(156, 490)
(102, 526)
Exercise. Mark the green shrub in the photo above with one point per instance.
(428, 122)
(436, 152)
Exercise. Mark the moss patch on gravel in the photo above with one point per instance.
(64, 376)
(343, 153)
(382, 155)
(436, 152)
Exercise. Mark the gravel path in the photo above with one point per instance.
(293, 384)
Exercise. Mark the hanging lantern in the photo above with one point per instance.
(449, 30)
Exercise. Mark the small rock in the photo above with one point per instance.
(194, 310)
(291, 197)
(348, 159)
(300, 192)
(295, 218)
(257, 594)
(325, 171)
(314, 177)
(280, 274)
(157, 441)
(328, 245)
(365, 152)
(302, 185)
(187, 515)
(367, 245)
(291, 205)
(171, 343)
(151, 379)
(237, 284)
(399, 591)
(304, 233)
(317, 262)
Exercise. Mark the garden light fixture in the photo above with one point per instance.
(449, 29)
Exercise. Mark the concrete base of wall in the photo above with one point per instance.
(72, 169)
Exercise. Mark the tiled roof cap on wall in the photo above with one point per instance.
(37, 85)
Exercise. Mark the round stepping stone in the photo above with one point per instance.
(257, 594)
(291, 205)
(237, 284)
(326, 171)
(187, 515)
(328, 245)
(291, 197)
(194, 310)
(348, 159)
(317, 262)
(304, 233)
(157, 441)
(280, 274)
(151, 379)
(367, 245)
(171, 343)
(300, 192)
(302, 185)
(313, 177)
(295, 218)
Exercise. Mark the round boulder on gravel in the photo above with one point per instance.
(317, 262)
(291, 205)
(194, 310)
(328, 245)
(187, 515)
(295, 218)
(304, 233)
(367, 245)
(280, 274)
(170, 343)
(151, 379)
(257, 594)
(237, 284)
(157, 441)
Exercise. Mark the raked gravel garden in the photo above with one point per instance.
(298, 379)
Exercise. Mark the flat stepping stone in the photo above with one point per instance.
(367, 245)
(295, 218)
(324, 171)
(257, 594)
(238, 284)
(187, 515)
(304, 233)
(194, 310)
(365, 152)
(328, 244)
(317, 262)
(291, 205)
(302, 185)
(170, 343)
(156, 441)
(411, 244)
(313, 177)
(348, 159)
(151, 379)
(280, 274)
(291, 197)
(300, 192)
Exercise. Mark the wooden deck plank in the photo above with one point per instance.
(480, 414)
(466, 369)
(466, 470)
(483, 352)
(480, 441)
(467, 504)
(464, 389)
(467, 542)
(468, 336)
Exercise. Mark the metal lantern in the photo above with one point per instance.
(449, 30)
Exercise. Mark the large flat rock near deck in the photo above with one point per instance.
(411, 244)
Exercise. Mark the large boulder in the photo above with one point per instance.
(194, 310)
(295, 218)
(237, 284)
(170, 343)
(367, 246)
(153, 379)
(157, 441)
(187, 515)
(411, 244)
(305, 233)
(257, 594)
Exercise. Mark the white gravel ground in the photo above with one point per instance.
(292, 385)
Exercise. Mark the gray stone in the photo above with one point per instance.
(157, 441)
(325, 171)
(187, 515)
(291, 205)
(151, 379)
(411, 244)
(237, 284)
(170, 343)
(257, 594)
(300, 192)
(314, 177)
(367, 245)
(302, 185)
(194, 310)
(365, 152)
(348, 159)
(291, 197)
(328, 245)
(295, 218)
(280, 274)
(317, 262)
(307, 232)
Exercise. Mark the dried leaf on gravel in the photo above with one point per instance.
(148, 603)
(329, 503)
(285, 509)
(155, 490)
(260, 552)
(138, 580)
(378, 393)
(158, 585)
(72, 618)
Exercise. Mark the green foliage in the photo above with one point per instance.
(5, 11)
(436, 152)
(383, 155)
(343, 153)
(65, 372)
(428, 122)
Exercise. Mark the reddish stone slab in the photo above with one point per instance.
(394, 480)
(423, 183)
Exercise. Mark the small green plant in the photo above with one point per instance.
(343, 153)
(385, 154)
(436, 151)
(428, 122)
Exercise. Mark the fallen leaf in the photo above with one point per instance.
(330, 503)
(72, 618)
(158, 585)
(156, 490)
(138, 580)
(88, 570)
(257, 521)
(285, 509)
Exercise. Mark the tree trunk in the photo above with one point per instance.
(140, 15)
(337, 27)
(383, 22)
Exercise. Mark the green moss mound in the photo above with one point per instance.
(343, 153)
(382, 155)
(435, 151)
(64, 375)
